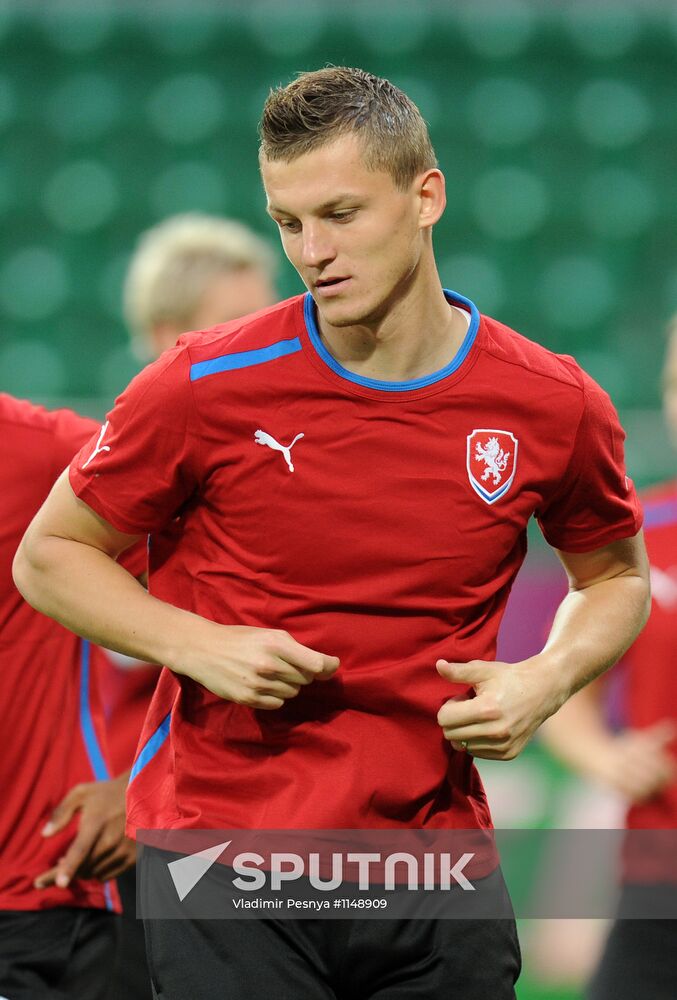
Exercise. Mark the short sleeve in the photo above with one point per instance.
(140, 468)
(69, 433)
(595, 504)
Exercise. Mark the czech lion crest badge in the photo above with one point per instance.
(491, 462)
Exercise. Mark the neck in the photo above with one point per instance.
(418, 334)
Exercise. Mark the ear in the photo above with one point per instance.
(432, 197)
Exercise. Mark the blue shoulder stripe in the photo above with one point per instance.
(244, 359)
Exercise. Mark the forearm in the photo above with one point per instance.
(66, 568)
(89, 593)
(607, 605)
(592, 629)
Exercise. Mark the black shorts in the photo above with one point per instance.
(129, 978)
(333, 959)
(61, 954)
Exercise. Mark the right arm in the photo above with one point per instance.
(66, 568)
(634, 762)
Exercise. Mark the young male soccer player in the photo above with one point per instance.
(55, 941)
(640, 761)
(338, 490)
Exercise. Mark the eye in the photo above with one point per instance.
(343, 216)
(289, 225)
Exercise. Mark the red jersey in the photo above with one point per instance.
(126, 691)
(126, 686)
(51, 718)
(651, 674)
(381, 522)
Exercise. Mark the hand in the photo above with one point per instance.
(257, 667)
(100, 849)
(636, 762)
(511, 701)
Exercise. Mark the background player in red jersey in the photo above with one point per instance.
(55, 939)
(189, 272)
(349, 474)
(639, 761)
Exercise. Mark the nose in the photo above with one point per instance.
(317, 248)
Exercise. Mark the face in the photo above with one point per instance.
(356, 240)
(670, 388)
(227, 295)
(232, 294)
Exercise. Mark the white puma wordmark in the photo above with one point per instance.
(261, 437)
(97, 450)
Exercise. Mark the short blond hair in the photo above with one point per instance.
(323, 105)
(174, 262)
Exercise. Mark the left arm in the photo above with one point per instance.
(605, 609)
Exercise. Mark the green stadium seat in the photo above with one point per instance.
(612, 113)
(80, 197)
(8, 102)
(497, 29)
(187, 107)
(618, 203)
(504, 111)
(190, 186)
(577, 291)
(281, 27)
(34, 283)
(404, 28)
(603, 31)
(33, 368)
(510, 203)
(77, 28)
(84, 107)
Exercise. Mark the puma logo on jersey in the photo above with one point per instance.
(261, 437)
(98, 449)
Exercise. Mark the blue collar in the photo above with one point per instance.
(415, 383)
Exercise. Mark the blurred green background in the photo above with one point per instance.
(555, 123)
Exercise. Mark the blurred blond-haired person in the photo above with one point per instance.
(192, 272)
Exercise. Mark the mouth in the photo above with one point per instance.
(327, 287)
